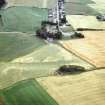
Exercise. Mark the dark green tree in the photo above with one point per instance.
(2, 3)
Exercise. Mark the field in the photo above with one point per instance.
(32, 3)
(98, 7)
(85, 22)
(22, 18)
(43, 3)
(79, 9)
(91, 48)
(26, 93)
(24, 56)
(17, 44)
(83, 89)
(99, 1)
(28, 64)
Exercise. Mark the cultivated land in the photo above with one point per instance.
(22, 18)
(85, 22)
(100, 7)
(79, 9)
(91, 48)
(17, 44)
(23, 56)
(99, 1)
(83, 89)
(35, 58)
(26, 93)
(32, 3)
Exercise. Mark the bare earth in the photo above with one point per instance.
(1, 101)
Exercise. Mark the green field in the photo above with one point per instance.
(26, 93)
(98, 7)
(22, 19)
(43, 61)
(32, 3)
(13, 45)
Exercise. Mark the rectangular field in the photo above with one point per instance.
(27, 93)
(85, 22)
(78, 8)
(91, 48)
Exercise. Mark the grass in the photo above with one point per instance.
(27, 92)
(77, 9)
(100, 7)
(14, 45)
(41, 62)
(32, 3)
(24, 56)
(22, 18)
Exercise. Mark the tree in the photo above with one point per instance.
(2, 3)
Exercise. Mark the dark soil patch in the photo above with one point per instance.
(1, 101)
